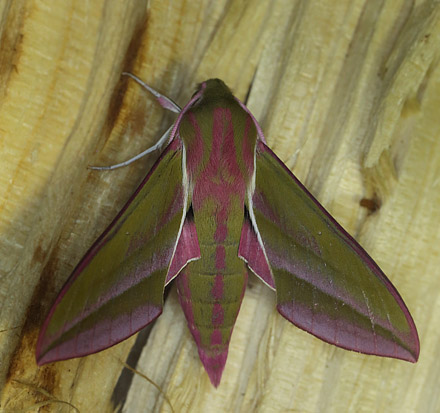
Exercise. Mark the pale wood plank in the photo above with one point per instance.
(348, 95)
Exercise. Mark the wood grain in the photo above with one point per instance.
(347, 93)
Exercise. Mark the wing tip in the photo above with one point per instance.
(407, 349)
(414, 350)
(66, 350)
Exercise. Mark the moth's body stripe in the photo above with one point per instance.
(217, 290)
(221, 146)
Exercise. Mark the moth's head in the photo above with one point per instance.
(212, 89)
(215, 87)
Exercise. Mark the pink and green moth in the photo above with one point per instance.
(218, 204)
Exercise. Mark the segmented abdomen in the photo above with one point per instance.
(211, 301)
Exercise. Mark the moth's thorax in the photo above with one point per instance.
(219, 139)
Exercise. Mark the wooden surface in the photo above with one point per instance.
(348, 94)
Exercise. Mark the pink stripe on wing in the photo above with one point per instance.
(187, 249)
(184, 293)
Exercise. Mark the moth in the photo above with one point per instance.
(218, 204)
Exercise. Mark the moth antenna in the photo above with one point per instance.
(156, 146)
(164, 101)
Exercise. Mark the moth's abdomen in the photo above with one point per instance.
(210, 292)
(219, 138)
